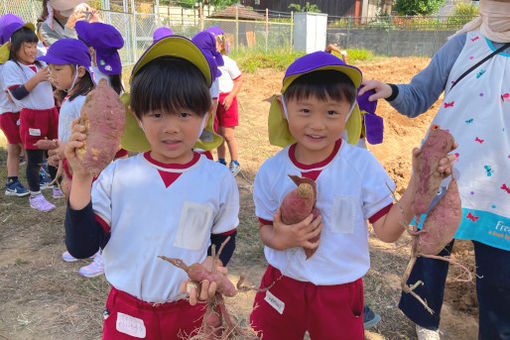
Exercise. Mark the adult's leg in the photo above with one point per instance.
(493, 291)
(433, 274)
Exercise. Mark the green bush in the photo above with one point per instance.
(417, 7)
(464, 13)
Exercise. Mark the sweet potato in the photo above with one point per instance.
(46, 144)
(103, 114)
(299, 203)
(441, 223)
(437, 145)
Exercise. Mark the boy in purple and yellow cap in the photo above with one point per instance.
(317, 121)
(167, 200)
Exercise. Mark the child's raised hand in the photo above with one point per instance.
(43, 74)
(299, 234)
(75, 142)
(205, 290)
(382, 90)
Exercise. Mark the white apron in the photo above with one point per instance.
(477, 113)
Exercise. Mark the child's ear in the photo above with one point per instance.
(81, 71)
(280, 102)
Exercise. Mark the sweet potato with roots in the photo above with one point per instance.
(299, 203)
(104, 116)
(217, 324)
(443, 219)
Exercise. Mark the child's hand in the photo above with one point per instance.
(205, 290)
(299, 234)
(42, 75)
(56, 155)
(382, 90)
(227, 101)
(75, 142)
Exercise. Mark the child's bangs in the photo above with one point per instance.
(22, 35)
(169, 85)
(321, 85)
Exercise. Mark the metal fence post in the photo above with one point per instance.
(267, 28)
(236, 39)
(158, 22)
(201, 14)
(388, 37)
(348, 31)
(292, 30)
(133, 30)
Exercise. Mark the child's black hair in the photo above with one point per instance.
(19, 37)
(116, 82)
(168, 85)
(82, 87)
(336, 85)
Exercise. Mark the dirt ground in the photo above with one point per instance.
(41, 297)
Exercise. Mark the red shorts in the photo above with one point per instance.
(227, 118)
(9, 123)
(37, 124)
(126, 317)
(291, 307)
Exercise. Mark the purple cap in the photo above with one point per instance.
(161, 33)
(9, 23)
(106, 41)
(207, 43)
(67, 51)
(215, 30)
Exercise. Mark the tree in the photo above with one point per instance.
(417, 7)
(306, 8)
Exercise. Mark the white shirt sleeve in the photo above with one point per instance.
(228, 217)
(69, 111)
(102, 193)
(13, 75)
(265, 205)
(233, 69)
(375, 191)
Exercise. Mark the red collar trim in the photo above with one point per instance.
(321, 164)
(172, 166)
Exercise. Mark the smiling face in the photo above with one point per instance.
(27, 53)
(172, 135)
(316, 125)
(62, 76)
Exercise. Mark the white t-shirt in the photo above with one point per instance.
(156, 209)
(5, 104)
(351, 188)
(41, 97)
(229, 72)
(69, 111)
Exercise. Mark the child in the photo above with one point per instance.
(227, 115)
(167, 201)
(27, 82)
(104, 42)
(476, 111)
(69, 63)
(9, 114)
(317, 114)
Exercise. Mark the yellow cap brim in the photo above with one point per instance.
(4, 53)
(175, 46)
(279, 134)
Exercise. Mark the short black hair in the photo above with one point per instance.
(24, 34)
(83, 86)
(334, 84)
(169, 84)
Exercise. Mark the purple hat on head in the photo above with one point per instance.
(374, 125)
(106, 41)
(217, 31)
(207, 43)
(67, 51)
(10, 23)
(161, 33)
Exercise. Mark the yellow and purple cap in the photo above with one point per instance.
(279, 133)
(9, 23)
(172, 46)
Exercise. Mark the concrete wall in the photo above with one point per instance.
(397, 43)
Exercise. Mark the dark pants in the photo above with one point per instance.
(34, 163)
(492, 287)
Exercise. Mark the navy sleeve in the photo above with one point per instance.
(425, 88)
(19, 92)
(226, 254)
(84, 234)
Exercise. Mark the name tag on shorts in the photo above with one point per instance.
(274, 302)
(130, 325)
(34, 132)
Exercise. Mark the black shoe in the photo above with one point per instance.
(370, 318)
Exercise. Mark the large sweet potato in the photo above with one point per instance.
(103, 114)
(437, 145)
(299, 204)
(441, 223)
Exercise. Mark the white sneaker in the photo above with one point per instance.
(427, 334)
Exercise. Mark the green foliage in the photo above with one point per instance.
(306, 8)
(464, 13)
(417, 7)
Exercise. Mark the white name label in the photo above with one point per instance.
(34, 132)
(274, 302)
(130, 325)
